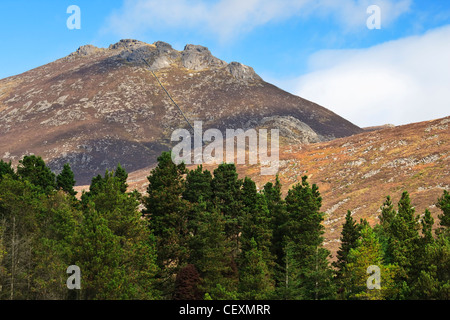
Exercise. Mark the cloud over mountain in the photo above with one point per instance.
(398, 82)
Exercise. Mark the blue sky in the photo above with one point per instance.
(319, 49)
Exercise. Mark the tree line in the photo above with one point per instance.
(198, 235)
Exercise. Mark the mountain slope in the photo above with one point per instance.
(97, 107)
(357, 173)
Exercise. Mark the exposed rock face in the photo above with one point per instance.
(198, 58)
(292, 130)
(98, 107)
(242, 72)
(87, 50)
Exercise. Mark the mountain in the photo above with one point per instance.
(101, 106)
(357, 173)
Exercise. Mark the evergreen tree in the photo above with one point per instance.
(115, 246)
(33, 169)
(211, 254)
(404, 228)
(349, 239)
(21, 206)
(383, 229)
(444, 204)
(256, 221)
(167, 212)
(66, 180)
(427, 228)
(198, 184)
(59, 223)
(256, 239)
(226, 189)
(306, 256)
(387, 213)
(278, 224)
(255, 278)
(6, 168)
(368, 252)
(121, 175)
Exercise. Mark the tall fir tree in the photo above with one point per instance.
(115, 247)
(278, 224)
(256, 236)
(226, 189)
(121, 175)
(404, 243)
(66, 180)
(349, 240)
(255, 277)
(307, 258)
(167, 212)
(211, 253)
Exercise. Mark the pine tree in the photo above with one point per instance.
(404, 243)
(387, 213)
(33, 169)
(116, 245)
(427, 223)
(6, 168)
(256, 238)
(226, 189)
(349, 237)
(53, 245)
(368, 252)
(306, 256)
(167, 212)
(255, 278)
(66, 180)
(122, 177)
(256, 223)
(198, 184)
(383, 230)
(444, 204)
(211, 253)
(278, 224)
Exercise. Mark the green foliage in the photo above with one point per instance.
(255, 281)
(203, 236)
(308, 261)
(121, 175)
(368, 252)
(349, 240)
(211, 253)
(198, 184)
(168, 212)
(444, 204)
(34, 170)
(66, 180)
(226, 189)
(6, 168)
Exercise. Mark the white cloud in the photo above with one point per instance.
(399, 82)
(226, 19)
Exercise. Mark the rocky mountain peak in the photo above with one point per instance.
(242, 72)
(160, 55)
(86, 50)
(197, 58)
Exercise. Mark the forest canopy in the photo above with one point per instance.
(198, 235)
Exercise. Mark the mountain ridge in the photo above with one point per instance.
(97, 107)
